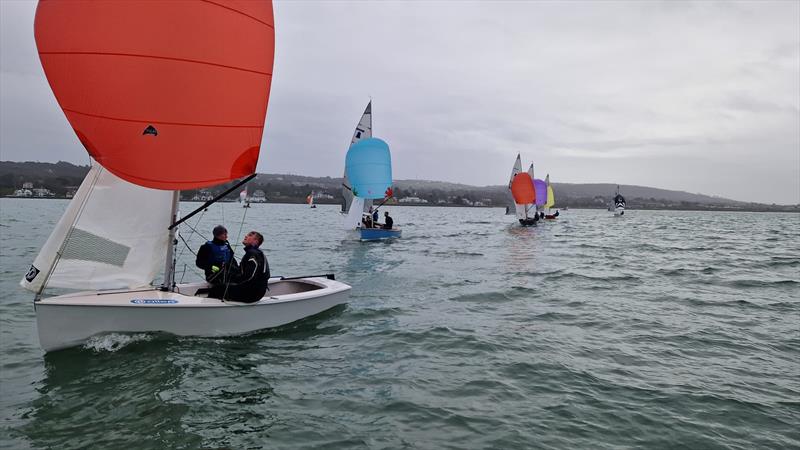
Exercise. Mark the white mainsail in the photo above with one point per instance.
(533, 207)
(363, 131)
(353, 218)
(112, 236)
(512, 206)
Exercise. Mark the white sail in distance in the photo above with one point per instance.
(363, 131)
(517, 168)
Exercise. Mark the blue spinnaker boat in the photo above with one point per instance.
(369, 168)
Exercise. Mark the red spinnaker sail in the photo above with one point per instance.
(169, 94)
(522, 189)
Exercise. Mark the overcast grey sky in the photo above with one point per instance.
(695, 96)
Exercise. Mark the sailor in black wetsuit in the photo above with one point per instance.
(250, 283)
(388, 221)
(215, 257)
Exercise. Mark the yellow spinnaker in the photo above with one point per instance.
(551, 198)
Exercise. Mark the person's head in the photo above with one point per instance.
(220, 233)
(253, 239)
(386, 213)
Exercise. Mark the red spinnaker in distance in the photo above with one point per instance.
(169, 94)
(522, 189)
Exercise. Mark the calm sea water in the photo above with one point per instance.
(657, 330)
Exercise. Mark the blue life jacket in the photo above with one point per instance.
(220, 253)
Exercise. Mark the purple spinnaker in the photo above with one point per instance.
(541, 192)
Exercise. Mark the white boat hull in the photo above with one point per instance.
(619, 211)
(70, 320)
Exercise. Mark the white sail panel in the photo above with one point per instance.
(510, 198)
(364, 128)
(113, 235)
(522, 211)
(347, 193)
(515, 170)
(353, 218)
(363, 131)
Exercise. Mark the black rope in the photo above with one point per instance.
(187, 244)
(227, 269)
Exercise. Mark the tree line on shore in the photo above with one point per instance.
(63, 178)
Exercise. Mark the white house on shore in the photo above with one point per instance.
(412, 200)
(258, 197)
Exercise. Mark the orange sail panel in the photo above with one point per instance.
(522, 189)
(167, 95)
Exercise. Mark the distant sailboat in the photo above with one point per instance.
(525, 199)
(619, 204)
(363, 131)
(541, 193)
(154, 94)
(521, 188)
(368, 166)
(551, 200)
(310, 200)
(517, 168)
(244, 199)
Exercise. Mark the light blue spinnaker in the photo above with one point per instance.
(369, 168)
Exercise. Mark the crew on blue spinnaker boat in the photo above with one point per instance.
(215, 257)
(388, 221)
(249, 284)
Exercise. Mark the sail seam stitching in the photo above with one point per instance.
(242, 13)
(169, 58)
(99, 116)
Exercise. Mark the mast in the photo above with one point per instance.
(169, 265)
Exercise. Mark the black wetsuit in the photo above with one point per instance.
(389, 223)
(250, 283)
(208, 256)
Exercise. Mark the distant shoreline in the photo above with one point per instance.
(570, 208)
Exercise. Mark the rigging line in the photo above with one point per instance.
(194, 230)
(227, 278)
(187, 246)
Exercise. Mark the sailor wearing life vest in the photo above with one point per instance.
(215, 257)
(249, 283)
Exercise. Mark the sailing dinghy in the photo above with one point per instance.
(368, 165)
(310, 200)
(244, 199)
(521, 187)
(162, 104)
(541, 195)
(551, 201)
(512, 207)
(619, 204)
